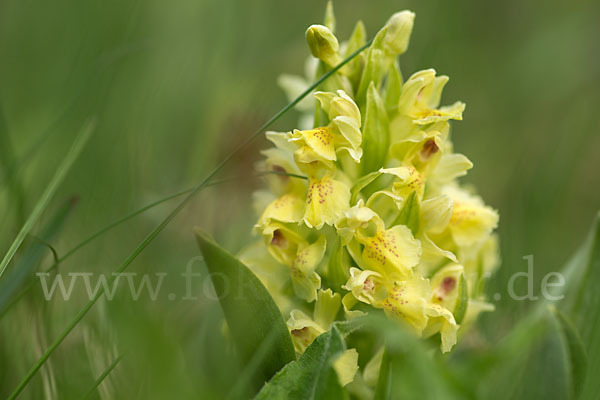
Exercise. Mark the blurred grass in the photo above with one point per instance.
(175, 85)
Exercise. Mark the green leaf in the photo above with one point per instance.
(30, 258)
(409, 215)
(251, 313)
(460, 309)
(374, 67)
(43, 202)
(375, 132)
(330, 17)
(582, 299)
(357, 39)
(393, 88)
(412, 372)
(576, 355)
(337, 273)
(362, 183)
(383, 390)
(312, 376)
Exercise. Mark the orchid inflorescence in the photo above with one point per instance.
(364, 211)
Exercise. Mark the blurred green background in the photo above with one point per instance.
(174, 86)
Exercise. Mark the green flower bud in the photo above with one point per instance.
(400, 27)
(323, 44)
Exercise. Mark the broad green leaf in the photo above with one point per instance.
(312, 376)
(460, 309)
(375, 132)
(251, 313)
(409, 215)
(362, 183)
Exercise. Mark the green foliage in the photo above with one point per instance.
(254, 321)
(375, 132)
(312, 376)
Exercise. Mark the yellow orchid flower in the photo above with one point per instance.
(326, 201)
(420, 97)
(408, 179)
(305, 329)
(390, 252)
(471, 221)
(279, 162)
(441, 320)
(367, 286)
(276, 225)
(305, 279)
(394, 225)
(342, 133)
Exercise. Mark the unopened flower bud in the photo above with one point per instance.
(400, 27)
(323, 44)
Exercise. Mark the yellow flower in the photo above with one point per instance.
(471, 221)
(420, 99)
(326, 201)
(390, 252)
(408, 179)
(342, 133)
(305, 329)
(305, 279)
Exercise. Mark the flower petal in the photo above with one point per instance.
(326, 201)
(304, 278)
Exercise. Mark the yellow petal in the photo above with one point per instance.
(346, 366)
(303, 330)
(366, 286)
(443, 321)
(304, 278)
(315, 145)
(282, 241)
(326, 201)
(436, 213)
(408, 180)
(445, 285)
(470, 223)
(426, 116)
(287, 208)
(392, 252)
(450, 167)
(407, 301)
(326, 307)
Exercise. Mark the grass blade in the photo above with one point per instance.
(102, 377)
(170, 217)
(30, 259)
(6, 303)
(43, 202)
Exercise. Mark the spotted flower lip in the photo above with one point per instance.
(380, 220)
